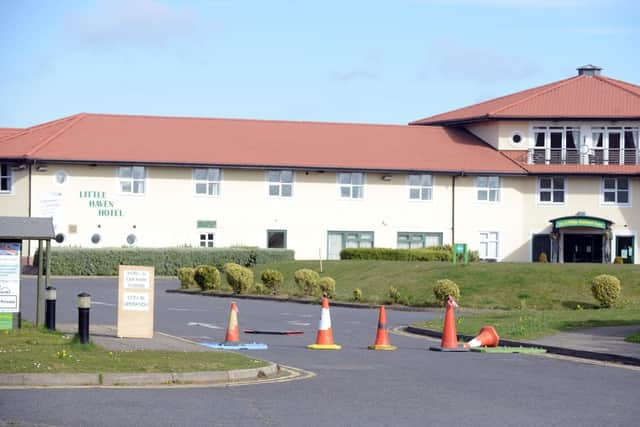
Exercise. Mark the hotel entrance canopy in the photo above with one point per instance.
(581, 221)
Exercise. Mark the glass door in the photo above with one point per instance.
(624, 249)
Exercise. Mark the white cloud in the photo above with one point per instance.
(126, 22)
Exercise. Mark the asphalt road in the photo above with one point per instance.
(409, 387)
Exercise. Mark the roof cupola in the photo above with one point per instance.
(589, 70)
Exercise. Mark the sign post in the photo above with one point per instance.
(460, 249)
(135, 301)
(9, 284)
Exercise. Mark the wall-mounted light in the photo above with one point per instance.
(386, 177)
(18, 167)
(41, 168)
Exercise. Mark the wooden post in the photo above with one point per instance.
(320, 257)
(39, 291)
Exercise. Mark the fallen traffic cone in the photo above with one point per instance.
(488, 337)
(324, 339)
(233, 330)
(382, 337)
(449, 336)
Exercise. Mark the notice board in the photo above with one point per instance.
(136, 287)
(9, 282)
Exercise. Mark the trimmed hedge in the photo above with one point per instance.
(426, 254)
(105, 261)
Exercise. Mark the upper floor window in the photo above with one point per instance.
(551, 190)
(207, 181)
(420, 187)
(614, 146)
(488, 188)
(6, 178)
(615, 191)
(131, 179)
(351, 184)
(280, 183)
(555, 145)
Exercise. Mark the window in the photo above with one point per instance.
(351, 184)
(6, 178)
(60, 177)
(206, 239)
(488, 245)
(277, 239)
(420, 187)
(95, 238)
(615, 191)
(131, 239)
(555, 145)
(131, 179)
(418, 240)
(488, 188)
(207, 181)
(339, 240)
(614, 145)
(280, 183)
(551, 190)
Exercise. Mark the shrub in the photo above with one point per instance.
(272, 279)
(606, 289)
(307, 281)
(185, 275)
(444, 288)
(542, 258)
(388, 254)
(357, 294)
(207, 277)
(260, 289)
(327, 285)
(394, 295)
(618, 260)
(238, 277)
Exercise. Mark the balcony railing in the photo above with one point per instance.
(597, 156)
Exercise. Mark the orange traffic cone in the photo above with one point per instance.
(382, 337)
(449, 336)
(488, 337)
(233, 331)
(324, 339)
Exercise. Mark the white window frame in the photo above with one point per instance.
(206, 232)
(350, 186)
(423, 236)
(275, 182)
(132, 180)
(483, 251)
(606, 131)
(616, 190)
(547, 131)
(423, 189)
(212, 186)
(551, 190)
(488, 189)
(9, 176)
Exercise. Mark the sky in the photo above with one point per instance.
(356, 61)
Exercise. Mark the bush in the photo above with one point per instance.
(272, 279)
(394, 295)
(207, 277)
(388, 254)
(618, 260)
(260, 289)
(327, 285)
(307, 281)
(542, 258)
(166, 261)
(444, 288)
(238, 277)
(606, 289)
(185, 275)
(357, 294)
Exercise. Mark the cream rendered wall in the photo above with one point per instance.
(16, 202)
(167, 214)
(499, 134)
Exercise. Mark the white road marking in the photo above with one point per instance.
(102, 303)
(295, 322)
(187, 309)
(204, 325)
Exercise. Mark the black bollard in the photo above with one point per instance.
(84, 305)
(50, 308)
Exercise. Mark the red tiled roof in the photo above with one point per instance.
(520, 157)
(97, 138)
(8, 131)
(580, 97)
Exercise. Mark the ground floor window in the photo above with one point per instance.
(418, 240)
(207, 238)
(277, 239)
(339, 240)
(488, 245)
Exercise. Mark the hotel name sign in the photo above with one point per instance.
(581, 222)
(99, 201)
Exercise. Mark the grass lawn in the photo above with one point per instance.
(36, 350)
(529, 324)
(633, 338)
(482, 285)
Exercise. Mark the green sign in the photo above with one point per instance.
(581, 222)
(6, 321)
(103, 206)
(460, 249)
(202, 223)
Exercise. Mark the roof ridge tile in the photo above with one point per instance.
(30, 129)
(72, 121)
(616, 83)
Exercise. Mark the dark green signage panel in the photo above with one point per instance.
(581, 222)
(206, 223)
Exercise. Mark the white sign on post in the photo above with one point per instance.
(135, 301)
(9, 277)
